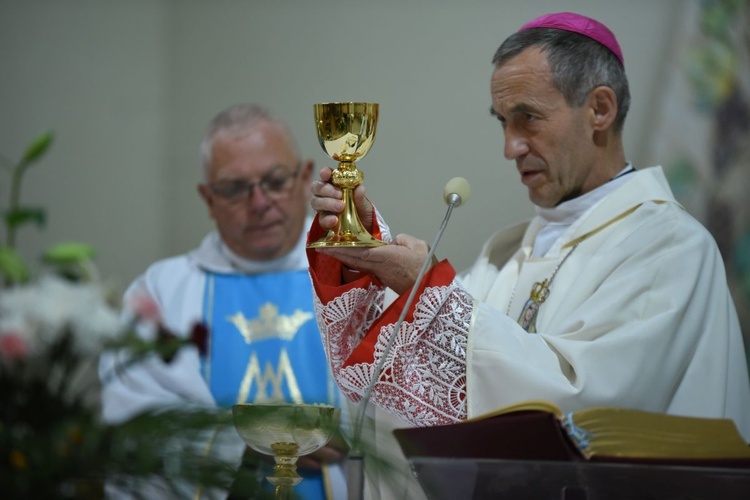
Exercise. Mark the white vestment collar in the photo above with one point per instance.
(213, 255)
(554, 221)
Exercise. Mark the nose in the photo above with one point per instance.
(258, 197)
(515, 144)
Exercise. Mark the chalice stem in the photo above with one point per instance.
(350, 227)
(285, 476)
(284, 492)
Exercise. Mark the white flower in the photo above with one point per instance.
(41, 311)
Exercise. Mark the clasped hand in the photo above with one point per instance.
(396, 265)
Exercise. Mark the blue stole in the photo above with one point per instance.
(264, 346)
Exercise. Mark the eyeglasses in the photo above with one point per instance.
(274, 187)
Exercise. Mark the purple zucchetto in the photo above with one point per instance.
(576, 23)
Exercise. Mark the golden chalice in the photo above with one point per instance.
(285, 431)
(346, 131)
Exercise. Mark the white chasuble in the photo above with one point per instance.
(638, 315)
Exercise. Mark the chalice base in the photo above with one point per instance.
(333, 239)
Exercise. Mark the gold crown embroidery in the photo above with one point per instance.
(269, 323)
(540, 292)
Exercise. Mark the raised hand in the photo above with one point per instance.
(327, 202)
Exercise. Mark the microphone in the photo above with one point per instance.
(455, 193)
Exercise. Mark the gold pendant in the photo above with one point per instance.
(539, 293)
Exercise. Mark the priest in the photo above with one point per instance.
(247, 282)
(612, 295)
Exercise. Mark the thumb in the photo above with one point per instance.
(364, 207)
(412, 243)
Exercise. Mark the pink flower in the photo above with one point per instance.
(13, 347)
(146, 308)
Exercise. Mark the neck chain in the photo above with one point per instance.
(539, 293)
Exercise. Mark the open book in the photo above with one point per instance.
(538, 430)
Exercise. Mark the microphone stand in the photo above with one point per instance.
(355, 471)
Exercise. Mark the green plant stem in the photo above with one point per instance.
(15, 197)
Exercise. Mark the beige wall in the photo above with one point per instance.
(129, 86)
(95, 74)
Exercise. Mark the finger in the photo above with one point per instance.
(347, 258)
(327, 454)
(327, 206)
(308, 462)
(325, 190)
(328, 221)
(325, 174)
(326, 201)
(360, 196)
(411, 242)
(364, 206)
(358, 258)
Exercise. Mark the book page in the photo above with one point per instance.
(620, 432)
(531, 405)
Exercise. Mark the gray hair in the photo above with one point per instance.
(237, 120)
(578, 63)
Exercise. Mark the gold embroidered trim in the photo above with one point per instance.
(209, 314)
(606, 225)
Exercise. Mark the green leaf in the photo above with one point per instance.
(12, 267)
(69, 253)
(37, 148)
(21, 215)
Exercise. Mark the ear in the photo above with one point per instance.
(208, 197)
(306, 170)
(603, 105)
(305, 174)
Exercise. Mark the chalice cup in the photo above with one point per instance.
(346, 131)
(285, 432)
